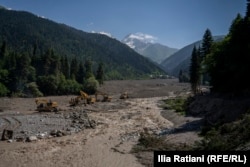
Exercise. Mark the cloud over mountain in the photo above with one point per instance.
(147, 46)
(145, 38)
(104, 33)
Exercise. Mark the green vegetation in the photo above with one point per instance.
(195, 70)
(178, 104)
(227, 65)
(227, 137)
(22, 32)
(198, 65)
(91, 85)
(183, 76)
(151, 142)
(40, 57)
(224, 65)
(25, 75)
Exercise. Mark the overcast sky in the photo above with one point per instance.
(175, 23)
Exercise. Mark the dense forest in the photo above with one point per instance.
(22, 74)
(224, 65)
(40, 57)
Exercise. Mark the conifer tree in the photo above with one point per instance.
(205, 49)
(180, 76)
(46, 62)
(195, 71)
(234, 28)
(23, 66)
(74, 67)
(55, 65)
(3, 50)
(80, 73)
(88, 67)
(100, 74)
(248, 9)
(229, 59)
(65, 67)
(207, 42)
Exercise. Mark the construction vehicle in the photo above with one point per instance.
(88, 99)
(75, 101)
(124, 95)
(106, 97)
(44, 105)
(83, 96)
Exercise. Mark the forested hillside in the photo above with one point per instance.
(180, 60)
(225, 66)
(226, 62)
(39, 56)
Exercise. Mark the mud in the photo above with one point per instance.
(96, 135)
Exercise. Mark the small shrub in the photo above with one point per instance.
(179, 104)
(226, 137)
(31, 89)
(150, 142)
(3, 90)
(91, 85)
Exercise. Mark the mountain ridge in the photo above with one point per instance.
(181, 59)
(21, 30)
(147, 46)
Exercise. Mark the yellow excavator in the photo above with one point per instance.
(44, 105)
(106, 97)
(83, 96)
(88, 99)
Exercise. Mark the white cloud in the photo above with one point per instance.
(144, 37)
(41, 16)
(103, 33)
(90, 24)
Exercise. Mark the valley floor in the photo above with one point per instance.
(116, 126)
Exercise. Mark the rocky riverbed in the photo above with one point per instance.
(96, 135)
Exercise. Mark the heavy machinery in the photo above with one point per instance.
(87, 98)
(44, 105)
(83, 96)
(75, 101)
(124, 95)
(106, 97)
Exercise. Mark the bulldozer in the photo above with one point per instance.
(83, 96)
(44, 105)
(106, 97)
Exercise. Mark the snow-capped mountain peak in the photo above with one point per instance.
(146, 45)
(132, 40)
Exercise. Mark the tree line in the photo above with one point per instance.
(23, 30)
(31, 74)
(224, 65)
